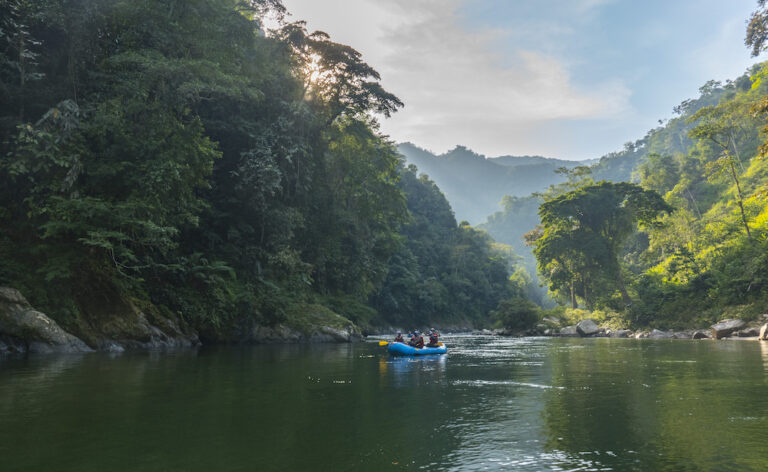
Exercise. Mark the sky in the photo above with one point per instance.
(571, 79)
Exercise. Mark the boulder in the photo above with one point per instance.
(749, 333)
(569, 331)
(700, 334)
(658, 334)
(641, 334)
(683, 334)
(619, 333)
(587, 328)
(551, 320)
(724, 328)
(22, 325)
(764, 332)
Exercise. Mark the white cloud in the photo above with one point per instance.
(458, 85)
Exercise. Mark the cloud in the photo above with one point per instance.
(461, 85)
(454, 79)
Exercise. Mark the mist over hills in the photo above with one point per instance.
(475, 184)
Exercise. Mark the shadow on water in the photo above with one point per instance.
(489, 404)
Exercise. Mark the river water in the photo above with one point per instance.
(489, 404)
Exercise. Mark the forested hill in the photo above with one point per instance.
(475, 184)
(683, 245)
(176, 164)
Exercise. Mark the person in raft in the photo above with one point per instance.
(399, 338)
(433, 338)
(417, 340)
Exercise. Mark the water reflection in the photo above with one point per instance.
(490, 404)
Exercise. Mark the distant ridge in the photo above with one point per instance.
(474, 184)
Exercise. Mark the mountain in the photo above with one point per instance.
(475, 185)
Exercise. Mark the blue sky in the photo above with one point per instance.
(573, 79)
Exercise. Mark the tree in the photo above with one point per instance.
(725, 125)
(583, 230)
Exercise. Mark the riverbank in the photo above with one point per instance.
(116, 324)
(724, 329)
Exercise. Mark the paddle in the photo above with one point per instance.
(383, 343)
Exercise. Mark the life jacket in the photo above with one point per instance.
(419, 342)
(399, 338)
(433, 339)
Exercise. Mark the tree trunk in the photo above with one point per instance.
(622, 288)
(574, 305)
(740, 199)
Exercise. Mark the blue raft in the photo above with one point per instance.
(400, 349)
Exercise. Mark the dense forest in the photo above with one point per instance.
(672, 230)
(178, 157)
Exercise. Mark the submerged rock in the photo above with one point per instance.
(658, 334)
(725, 328)
(587, 328)
(25, 329)
(619, 333)
(569, 331)
(749, 333)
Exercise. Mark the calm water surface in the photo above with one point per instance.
(490, 404)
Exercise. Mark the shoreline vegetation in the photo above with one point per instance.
(183, 175)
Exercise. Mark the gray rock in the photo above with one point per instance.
(12, 345)
(641, 334)
(587, 328)
(725, 328)
(700, 334)
(658, 334)
(551, 320)
(749, 333)
(40, 333)
(619, 333)
(569, 331)
(764, 332)
(683, 334)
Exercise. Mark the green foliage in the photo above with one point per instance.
(443, 271)
(516, 314)
(177, 153)
(582, 232)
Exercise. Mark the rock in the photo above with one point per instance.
(764, 332)
(619, 333)
(658, 334)
(22, 324)
(569, 331)
(641, 335)
(587, 328)
(725, 328)
(551, 320)
(682, 334)
(549, 332)
(12, 345)
(749, 333)
(700, 334)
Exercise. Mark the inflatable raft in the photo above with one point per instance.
(400, 349)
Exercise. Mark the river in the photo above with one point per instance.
(489, 404)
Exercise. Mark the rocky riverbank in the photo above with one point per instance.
(724, 329)
(116, 324)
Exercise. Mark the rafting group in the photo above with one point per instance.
(417, 340)
(415, 344)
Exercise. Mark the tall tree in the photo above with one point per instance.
(583, 230)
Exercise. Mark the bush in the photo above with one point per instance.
(516, 314)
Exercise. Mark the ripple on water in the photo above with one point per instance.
(482, 383)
